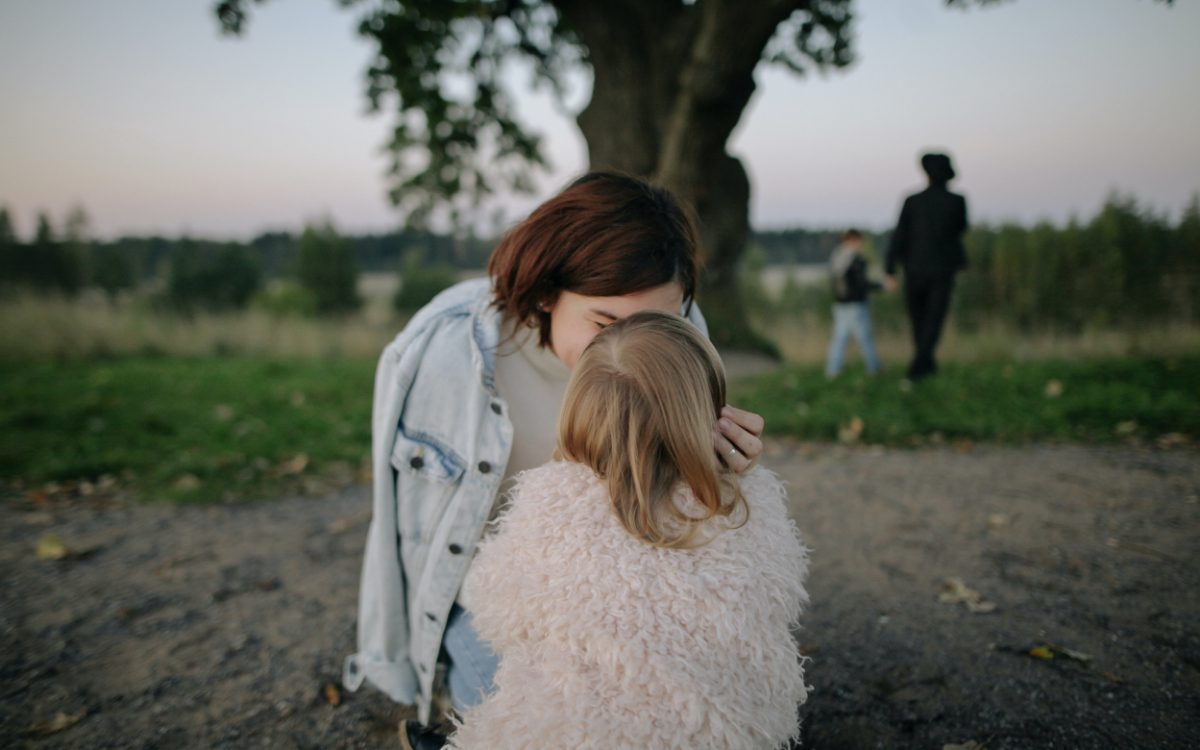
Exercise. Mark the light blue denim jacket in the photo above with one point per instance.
(440, 439)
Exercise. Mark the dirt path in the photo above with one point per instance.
(220, 626)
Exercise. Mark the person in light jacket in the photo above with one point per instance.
(851, 305)
(638, 593)
(467, 395)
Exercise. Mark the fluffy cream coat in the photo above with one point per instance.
(608, 642)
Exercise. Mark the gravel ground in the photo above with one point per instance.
(225, 626)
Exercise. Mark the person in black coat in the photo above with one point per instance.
(927, 243)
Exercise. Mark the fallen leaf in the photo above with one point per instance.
(187, 483)
(1127, 427)
(333, 696)
(1072, 654)
(294, 465)
(223, 412)
(851, 431)
(342, 525)
(1050, 651)
(1054, 388)
(1171, 440)
(954, 591)
(997, 520)
(1045, 653)
(61, 721)
(50, 547)
(298, 399)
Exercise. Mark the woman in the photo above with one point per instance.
(467, 396)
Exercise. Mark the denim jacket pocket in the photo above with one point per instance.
(427, 473)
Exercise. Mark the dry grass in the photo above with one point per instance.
(34, 328)
(41, 328)
(804, 340)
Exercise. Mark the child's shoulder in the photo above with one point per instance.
(555, 475)
(762, 486)
(556, 485)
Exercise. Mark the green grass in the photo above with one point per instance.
(186, 428)
(1099, 401)
(204, 429)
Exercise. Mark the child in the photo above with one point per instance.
(851, 310)
(638, 594)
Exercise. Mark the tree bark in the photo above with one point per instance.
(670, 84)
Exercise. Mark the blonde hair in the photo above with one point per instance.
(640, 411)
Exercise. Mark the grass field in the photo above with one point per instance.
(1089, 400)
(232, 428)
(187, 428)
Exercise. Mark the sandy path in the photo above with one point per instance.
(219, 626)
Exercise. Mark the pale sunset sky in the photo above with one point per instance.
(141, 111)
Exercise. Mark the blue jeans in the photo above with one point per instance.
(851, 319)
(472, 669)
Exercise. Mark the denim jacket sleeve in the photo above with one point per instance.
(383, 610)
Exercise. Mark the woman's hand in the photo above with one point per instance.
(738, 438)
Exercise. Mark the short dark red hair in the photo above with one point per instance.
(607, 234)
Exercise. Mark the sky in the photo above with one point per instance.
(143, 113)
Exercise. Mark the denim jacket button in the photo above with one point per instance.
(455, 549)
(484, 467)
(416, 462)
(495, 408)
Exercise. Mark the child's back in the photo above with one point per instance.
(638, 594)
(606, 641)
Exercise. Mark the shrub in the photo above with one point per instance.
(286, 299)
(212, 279)
(325, 267)
(419, 284)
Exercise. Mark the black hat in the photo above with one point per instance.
(938, 167)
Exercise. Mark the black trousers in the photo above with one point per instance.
(928, 300)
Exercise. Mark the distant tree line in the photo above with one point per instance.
(318, 268)
(1126, 265)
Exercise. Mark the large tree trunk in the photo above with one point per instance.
(670, 84)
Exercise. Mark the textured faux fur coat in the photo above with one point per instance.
(608, 642)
